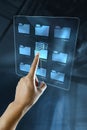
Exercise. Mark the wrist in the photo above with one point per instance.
(21, 107)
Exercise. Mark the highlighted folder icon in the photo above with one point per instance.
(62, 32)
(24, 50)
(57, 76)
(24, 67)
(41, 72)
(41, 30)
(59, 57)
(41, 47)
(24, 28)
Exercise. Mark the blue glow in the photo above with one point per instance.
(24, 28)
(60, 57)
(62, 32)
(24, 67)
(59, 113)
(41, 47)
(57, 76)
(24, 50)
(41, 30)
(41, 72)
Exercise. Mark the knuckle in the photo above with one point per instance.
(40, 90)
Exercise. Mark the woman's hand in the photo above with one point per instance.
(28, 91)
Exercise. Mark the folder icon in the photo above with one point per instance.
(57, 76)
(62, 32)
(59, 57)
(24, 67)
(24, 50)
(41, 72)
(42, 30)
(41, 47)
(24, 28)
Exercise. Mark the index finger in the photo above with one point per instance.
(34, 65)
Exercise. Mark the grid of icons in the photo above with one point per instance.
(54, 39)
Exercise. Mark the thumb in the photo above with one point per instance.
(42, 87)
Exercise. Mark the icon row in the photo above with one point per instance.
(42, 72)
(44, 30)
(42, 48)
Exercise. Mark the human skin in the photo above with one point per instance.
(26, 95)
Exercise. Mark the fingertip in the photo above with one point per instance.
(37, 54)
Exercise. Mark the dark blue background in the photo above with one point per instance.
(56, 109)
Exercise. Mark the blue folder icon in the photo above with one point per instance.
(24, 28)
(62, 32)
(24, 67)
(41, 47)
(41, 30)
(24, 50)
(57, 76)
(59, 57)
(41, 72)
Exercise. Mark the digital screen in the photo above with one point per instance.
(41, 72)
(62, 32)
(24, 50)
(24, 28)
(59, 57)
(42, 49)
(41, 30)
(24, 67)
(57, 76)
(55, 40)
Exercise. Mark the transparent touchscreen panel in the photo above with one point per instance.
(55, 40)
